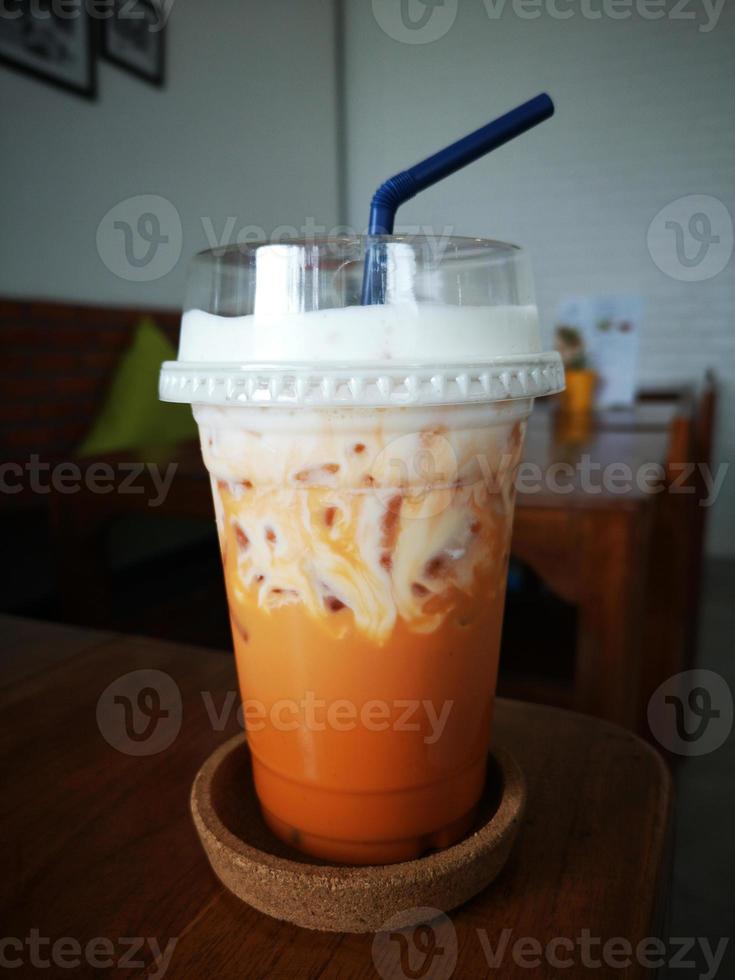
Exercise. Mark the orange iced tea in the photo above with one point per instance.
(365, 555)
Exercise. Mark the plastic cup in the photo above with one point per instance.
(362, 463)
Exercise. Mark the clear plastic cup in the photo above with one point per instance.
(362, 463)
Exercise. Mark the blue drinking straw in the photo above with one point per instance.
(405, 185)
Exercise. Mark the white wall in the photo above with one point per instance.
(244, 127)
(644, 116)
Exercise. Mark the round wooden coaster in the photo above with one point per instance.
(272, 877)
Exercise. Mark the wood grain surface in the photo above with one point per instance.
(98, 844)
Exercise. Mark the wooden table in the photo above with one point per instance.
(100, 845)
(642, 416)
(586, 529)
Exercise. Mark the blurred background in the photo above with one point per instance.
(126, 149)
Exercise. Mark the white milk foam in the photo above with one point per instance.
(410, 333)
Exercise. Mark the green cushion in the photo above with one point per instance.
(132, 417)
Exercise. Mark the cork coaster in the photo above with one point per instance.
(272, 877)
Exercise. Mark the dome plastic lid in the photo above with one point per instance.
(283, 324)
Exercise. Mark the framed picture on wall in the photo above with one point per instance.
(133, 39)
(40, 39)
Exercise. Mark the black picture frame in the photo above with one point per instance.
(35, 41)
(128, 42)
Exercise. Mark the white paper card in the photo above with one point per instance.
(610, 327)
